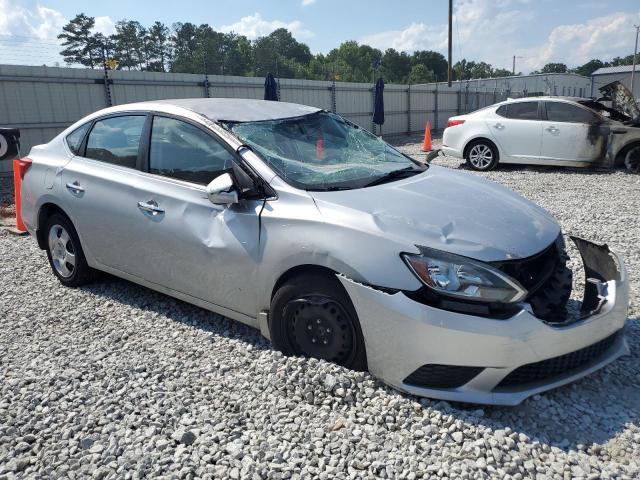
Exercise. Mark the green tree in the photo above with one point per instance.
(79, 42)
(554, 68)
(421, 74)
(130, 47)
(157, 45)
(395, 66)
(352, 62)
(434, 61)
(588, 68)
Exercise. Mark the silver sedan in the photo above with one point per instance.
(330, 241)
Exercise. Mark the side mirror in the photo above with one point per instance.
(221, 190)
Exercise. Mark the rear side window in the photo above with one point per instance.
(183, 151)
(522, 110)
(565, 112)
(502, 111)
(116, 140)
(74, 139)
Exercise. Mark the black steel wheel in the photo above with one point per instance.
(312, 316)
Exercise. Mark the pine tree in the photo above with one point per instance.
(79, 42)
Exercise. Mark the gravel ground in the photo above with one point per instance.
(116, 381)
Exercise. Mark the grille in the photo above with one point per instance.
(557, 366)
(442, 376)
(534, 271)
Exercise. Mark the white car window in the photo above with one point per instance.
(522, 110)
(565, 112)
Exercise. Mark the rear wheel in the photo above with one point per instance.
(482, 156)
(311, 315)
(65, 253)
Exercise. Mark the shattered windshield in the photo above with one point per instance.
(322, 151)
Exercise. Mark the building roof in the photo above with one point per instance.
(618, 69)
(240, 109)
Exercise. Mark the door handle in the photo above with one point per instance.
(552, 129)
(75, 187)
(499, 126)
(150, 207)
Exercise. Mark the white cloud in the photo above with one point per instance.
(306, 3)
(602, 37)
(41, 23)
(105, 26)
(254, 26)
(495, 30)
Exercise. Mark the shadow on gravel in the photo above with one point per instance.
(145, 299)
(596, 407)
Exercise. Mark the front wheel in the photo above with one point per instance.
(312, 316)
(482, 156)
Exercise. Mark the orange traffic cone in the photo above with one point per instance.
(19, 167)
(426, 145)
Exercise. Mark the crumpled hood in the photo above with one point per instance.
(622, 100)
(452, 211)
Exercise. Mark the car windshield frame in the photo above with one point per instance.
(315, 161)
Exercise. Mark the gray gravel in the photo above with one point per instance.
(116, 381)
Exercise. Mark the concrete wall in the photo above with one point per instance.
(554, 84)
(43, 101)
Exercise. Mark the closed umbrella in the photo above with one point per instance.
(270, 88)
(378, 103)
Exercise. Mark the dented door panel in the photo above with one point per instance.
(208, 251)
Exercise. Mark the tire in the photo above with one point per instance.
(64, 252)
(312, 315)
(632, 159)
(482, 155)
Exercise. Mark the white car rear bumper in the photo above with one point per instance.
(402, 335)
(452, 152)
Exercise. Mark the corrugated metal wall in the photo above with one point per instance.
(42, 101)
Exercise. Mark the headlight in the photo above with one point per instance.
(463, 277)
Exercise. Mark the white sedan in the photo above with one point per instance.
(558, 131)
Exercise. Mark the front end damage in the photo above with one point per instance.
(623, 132)
(427, 351)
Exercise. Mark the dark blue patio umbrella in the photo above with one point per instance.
(378, 102)
(270, 88)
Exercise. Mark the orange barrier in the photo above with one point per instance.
(19, 169)
(426, 145)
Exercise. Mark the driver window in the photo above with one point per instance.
(185, 152)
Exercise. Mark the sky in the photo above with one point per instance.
(535, 31)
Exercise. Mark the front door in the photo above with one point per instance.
(190, 245)
(571, 134)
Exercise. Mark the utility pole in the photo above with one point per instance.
(513, 71)
(450, 36)
(635, 52)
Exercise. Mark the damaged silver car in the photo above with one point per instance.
(333, 243)
(554, 131)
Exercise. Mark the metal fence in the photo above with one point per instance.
(42, 101)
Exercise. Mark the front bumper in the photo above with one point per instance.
(402, 335)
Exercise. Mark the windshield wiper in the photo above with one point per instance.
(387, 177)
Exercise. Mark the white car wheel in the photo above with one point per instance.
(482, 156)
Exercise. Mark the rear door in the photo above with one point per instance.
(517, 130)
(99, 186)
(571, 133)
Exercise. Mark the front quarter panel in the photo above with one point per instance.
(294, 232)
